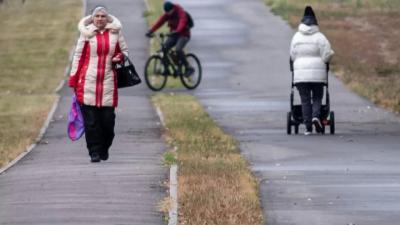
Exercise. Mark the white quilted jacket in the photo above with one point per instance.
(92, 74)
(310, 51)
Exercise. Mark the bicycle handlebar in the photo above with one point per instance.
(161, 35)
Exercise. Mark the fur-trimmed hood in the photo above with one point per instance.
(88, 29)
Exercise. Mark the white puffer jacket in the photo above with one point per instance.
(310, 51)
(92, 74)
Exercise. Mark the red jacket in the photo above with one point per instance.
(177, 22)
(92, 74)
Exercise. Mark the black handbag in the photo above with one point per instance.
(126, 74)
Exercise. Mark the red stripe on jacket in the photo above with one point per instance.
(117, 53)
(115, 93)
(103, 47)
(80, 74)
(80, 91)
(106, 51)
(73, 80)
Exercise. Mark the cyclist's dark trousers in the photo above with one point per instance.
(99, 128)
(310, 91)
(180, 42)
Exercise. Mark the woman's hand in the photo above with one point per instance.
(116, 59)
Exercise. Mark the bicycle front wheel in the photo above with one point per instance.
(155, 73)
(191, 75)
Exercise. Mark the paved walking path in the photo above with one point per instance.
(351, 177)
(56, 183)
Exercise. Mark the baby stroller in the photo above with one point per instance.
(295, 116)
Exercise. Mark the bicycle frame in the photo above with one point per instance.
(162, 64)
(167, 58)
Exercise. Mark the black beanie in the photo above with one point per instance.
(309, 17)
(168, 6)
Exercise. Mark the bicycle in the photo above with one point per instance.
(163, 64)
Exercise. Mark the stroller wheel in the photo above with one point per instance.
(332, 122)
(289, 123)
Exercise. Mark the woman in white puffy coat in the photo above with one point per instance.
(94, 80)
(310, 50)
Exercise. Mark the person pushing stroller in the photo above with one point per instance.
(310, 51)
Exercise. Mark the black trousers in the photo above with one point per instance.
(99, 128)
(310, 91)
(179, 43)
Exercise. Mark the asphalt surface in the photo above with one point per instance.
(56, 183)
(352, 177)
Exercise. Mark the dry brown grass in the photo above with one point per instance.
(215, 185)
(364, 35)
(35, 44)
(20, 123)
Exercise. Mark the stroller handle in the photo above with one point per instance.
(291, 64)
(292, 70)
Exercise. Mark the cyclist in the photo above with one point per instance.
(180, 31)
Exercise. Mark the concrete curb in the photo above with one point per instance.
(84, 7)
(173, 172)
(147, 4)
(161, 116)
(173, 193)
(173, 183)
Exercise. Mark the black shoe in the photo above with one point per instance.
(307, 133)
(94, 157)
(308, 130)
(317, 124)
(104, 156)
(189, 72)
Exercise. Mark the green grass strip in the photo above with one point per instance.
(215, 185)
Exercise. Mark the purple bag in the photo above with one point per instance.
(76, 127)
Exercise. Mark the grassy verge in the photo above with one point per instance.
(155, 9)
(215, 185)
(34, 47)
(364, 35)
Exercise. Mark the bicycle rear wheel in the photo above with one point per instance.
(191, 79)
(154, 73)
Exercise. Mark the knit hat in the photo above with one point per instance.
(99, 8)
(168, 6)
(309, 17)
